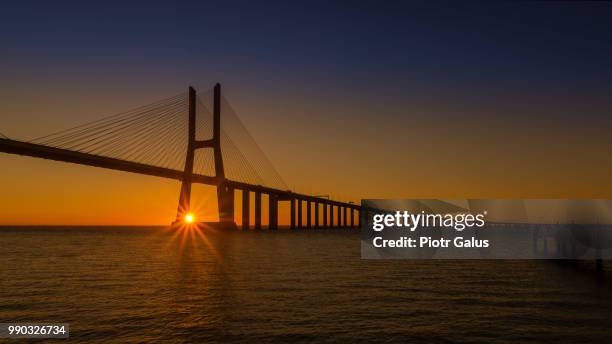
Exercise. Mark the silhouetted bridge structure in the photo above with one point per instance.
(160, 140)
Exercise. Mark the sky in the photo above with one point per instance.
(358, 99)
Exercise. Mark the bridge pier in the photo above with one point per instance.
(299, 215)
(225, 200)
(352, 217)
(345, 217)
(257, 210)
(316, 222)
(363, 216)
(292, 215)
(338, 216)
(273, 212)
(331, 216)
(325, 215)
(246, 211)
(308, 214)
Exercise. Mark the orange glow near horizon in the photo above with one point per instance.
(445, 150)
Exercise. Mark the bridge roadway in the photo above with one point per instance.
(275, 195)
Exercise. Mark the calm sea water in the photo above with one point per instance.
(152, 284)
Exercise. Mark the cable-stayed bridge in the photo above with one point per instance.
(184, 138)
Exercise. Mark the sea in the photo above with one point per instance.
(193, 285)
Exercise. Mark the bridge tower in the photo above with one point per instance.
(225, 193)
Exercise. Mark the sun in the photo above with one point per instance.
(189, 218)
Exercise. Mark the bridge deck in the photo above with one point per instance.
(64, 155)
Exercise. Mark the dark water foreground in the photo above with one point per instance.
(137, 284)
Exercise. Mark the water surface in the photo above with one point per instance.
(129, 285)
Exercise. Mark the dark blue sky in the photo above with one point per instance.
(562, 46)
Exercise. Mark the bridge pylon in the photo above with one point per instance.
(225, 193)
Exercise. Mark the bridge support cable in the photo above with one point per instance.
(149, 135)
(248, 149)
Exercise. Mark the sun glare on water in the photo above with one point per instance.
(190, 234)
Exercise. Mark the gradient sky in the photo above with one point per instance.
(356, 99)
